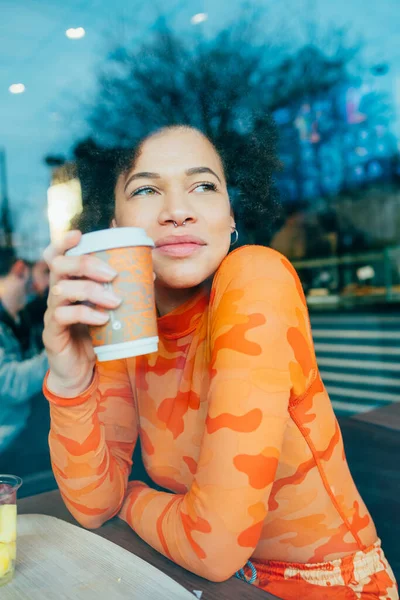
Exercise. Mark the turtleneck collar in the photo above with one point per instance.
(184, 319)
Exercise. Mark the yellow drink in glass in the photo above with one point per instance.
(9, 484)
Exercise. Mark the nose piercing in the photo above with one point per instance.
(176, 224)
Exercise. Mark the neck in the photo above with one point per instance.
(168, 299)
(8, 299)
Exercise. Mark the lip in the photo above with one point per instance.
(179, 246)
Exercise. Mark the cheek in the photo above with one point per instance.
(218, 218)
(134, 214)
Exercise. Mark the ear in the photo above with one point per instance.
(114, 223)
(232, 221)
(19, 269)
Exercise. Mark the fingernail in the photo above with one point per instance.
(109, 296)
(100, 317)
(105, 269)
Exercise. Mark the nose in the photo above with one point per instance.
(177, 210)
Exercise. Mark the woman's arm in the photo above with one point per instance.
(261, 355)
(92, 438)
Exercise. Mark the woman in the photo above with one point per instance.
(231, 412)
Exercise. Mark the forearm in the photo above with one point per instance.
(73, 389)
(195, 536)
(91, 440)
(90, 481)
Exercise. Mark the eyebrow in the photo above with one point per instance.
(188, 172)
(199, 170)
(142, 175)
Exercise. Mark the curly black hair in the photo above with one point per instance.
(249, 162)
(8, 258)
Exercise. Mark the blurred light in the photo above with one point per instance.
(365, 273)
(361, 151)
(199, 18)
(357, 118)
(17, 88)
(301, 125)
(315, 138)
(75, 33)
(64, 202)
(375, 169)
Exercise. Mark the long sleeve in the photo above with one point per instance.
(20, 380)
(92, 438)
(261, 358)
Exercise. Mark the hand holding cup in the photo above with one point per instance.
(89, 276)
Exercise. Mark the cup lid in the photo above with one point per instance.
(107, 239)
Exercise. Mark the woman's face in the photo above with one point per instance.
(178, 179)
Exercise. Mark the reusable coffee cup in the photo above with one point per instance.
(132, 327)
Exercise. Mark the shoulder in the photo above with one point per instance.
(256, 278)
(254, 264)
(6, 333)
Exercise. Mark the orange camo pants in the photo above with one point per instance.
(365, 575)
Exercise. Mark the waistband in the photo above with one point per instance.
(346, 570)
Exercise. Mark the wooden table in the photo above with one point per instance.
(120, 533)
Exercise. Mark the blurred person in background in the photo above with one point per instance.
(301, 236)
(22, 367)
(329, 224)
(37, 305)
(291, 238)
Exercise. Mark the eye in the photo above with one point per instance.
(205, 187)
(143, 191)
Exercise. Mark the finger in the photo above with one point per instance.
(58, 248)
(70, 290)
(80, 313)
(82, 266)
(71, 239)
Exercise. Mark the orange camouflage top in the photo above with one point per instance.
(233, 418)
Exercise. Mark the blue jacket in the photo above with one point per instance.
(22, 370)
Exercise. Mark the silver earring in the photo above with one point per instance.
(235, 231)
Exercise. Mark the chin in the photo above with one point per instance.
(181, 276)
(189, 272)
(177, 281)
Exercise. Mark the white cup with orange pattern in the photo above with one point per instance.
(132, 327)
